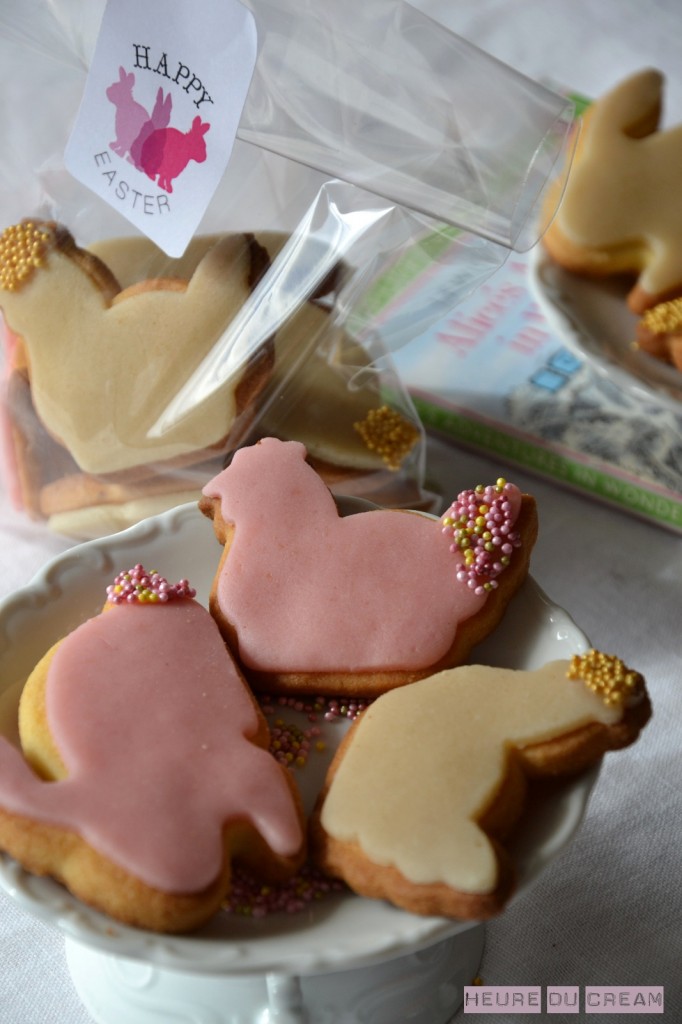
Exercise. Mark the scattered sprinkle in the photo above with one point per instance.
(292, 744)
(250, 897)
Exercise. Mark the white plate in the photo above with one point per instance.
(593, 317)
(338, 932)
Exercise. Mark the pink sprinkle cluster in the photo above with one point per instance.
(480, 523)
(250, 897)
(137, 586)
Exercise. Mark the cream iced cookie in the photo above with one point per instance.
(622, 209)
(109, 399)
(313, 602)
(105, 364)
(145, 769)
(427, 784)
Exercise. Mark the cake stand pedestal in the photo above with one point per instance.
(423, 987)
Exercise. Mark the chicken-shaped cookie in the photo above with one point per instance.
(145, 768)
(622, 209)
(426, 785)
(314, 602)
(106, 364)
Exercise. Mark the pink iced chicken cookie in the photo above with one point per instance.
(145, 769)
(312, 601)
(422, 795)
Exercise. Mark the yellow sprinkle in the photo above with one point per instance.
(607, 676)
(665, 318)
(23, 249)
(389, 434)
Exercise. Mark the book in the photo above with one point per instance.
(494, 376)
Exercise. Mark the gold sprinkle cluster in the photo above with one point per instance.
(23, 249)
(389, 434)
(665, 318)
(607, 676)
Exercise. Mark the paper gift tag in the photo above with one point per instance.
(160, 110)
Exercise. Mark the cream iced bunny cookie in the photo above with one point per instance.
(145, 769)
(424, 790)
(313, 602)
(622, 209)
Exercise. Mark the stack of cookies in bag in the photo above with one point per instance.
(130, 378)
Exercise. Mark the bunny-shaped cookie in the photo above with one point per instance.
(622, 209)
(423, 793)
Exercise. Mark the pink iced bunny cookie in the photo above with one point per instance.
(312, 602)
(158, 761)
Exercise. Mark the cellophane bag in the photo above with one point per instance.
(373, 155)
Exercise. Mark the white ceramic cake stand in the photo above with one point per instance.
(346, 960)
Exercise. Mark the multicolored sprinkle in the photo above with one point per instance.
(292, 744)
(249, 897)
(480, 523)
(137, 586)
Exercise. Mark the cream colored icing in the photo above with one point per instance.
(307, 590)
(624, 189)
(152, 722)
(426, 759)
(103, 375)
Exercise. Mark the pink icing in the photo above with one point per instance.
(307, 590)
(152, 722)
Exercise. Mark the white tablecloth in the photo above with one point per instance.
(609, 911)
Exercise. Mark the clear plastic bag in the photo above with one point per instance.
(376, 153)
